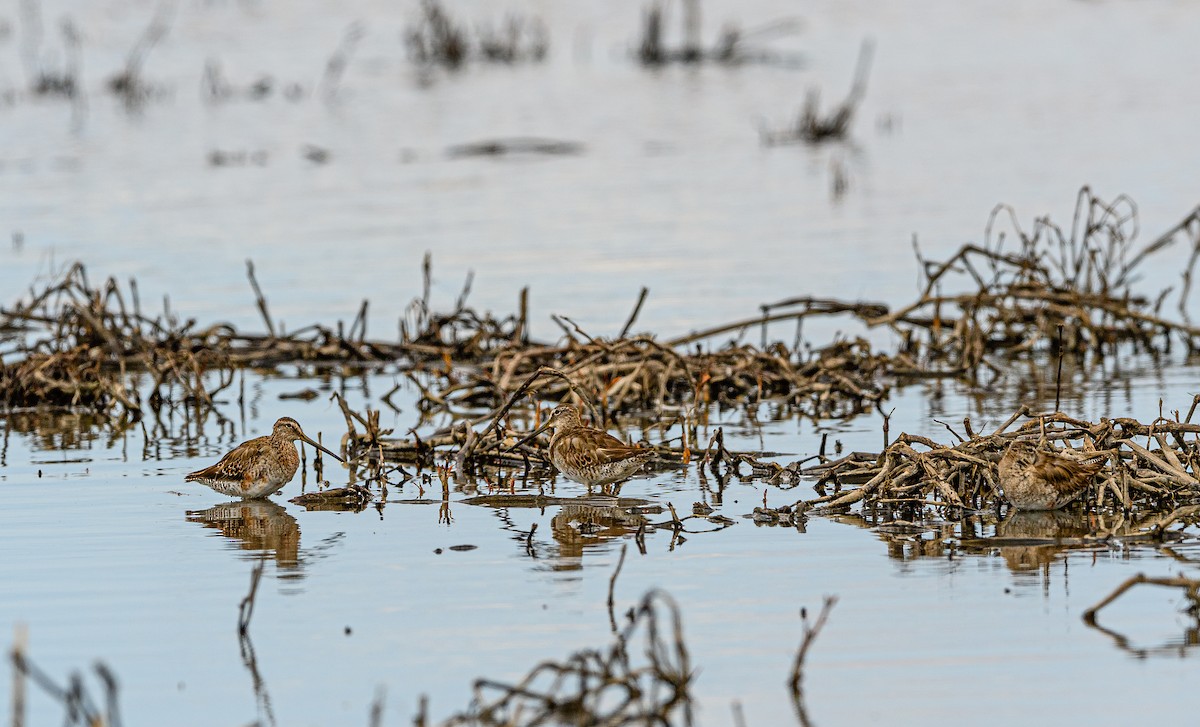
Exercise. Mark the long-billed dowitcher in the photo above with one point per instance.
(1037, 479)
(261, 466)
(588, 455)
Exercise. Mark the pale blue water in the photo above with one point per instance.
(1014, 102)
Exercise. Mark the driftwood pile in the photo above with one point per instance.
(639, 375)
(72, 345)
(1151, 467)
(1021, 294)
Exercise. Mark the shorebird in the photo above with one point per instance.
(259, 467)
(1036, 479)
(588, 455)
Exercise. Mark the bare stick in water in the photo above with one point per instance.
(1058, 375)
(258, 297)
(637, 308)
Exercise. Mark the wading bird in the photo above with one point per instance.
(261, 466)
(588, 455)
(1037, 479)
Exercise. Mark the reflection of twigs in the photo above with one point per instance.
(612, 584)
(529, 541)
(246, 608)
(245, 611)
(260, 688)
(1191, 592)
(810, 635)
(1174, 647)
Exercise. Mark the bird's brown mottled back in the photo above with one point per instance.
(588, 455)
(1036, 479)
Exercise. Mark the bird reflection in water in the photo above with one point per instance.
(1032, 540)
(255, 525)
(1027, 541)
(577, 526)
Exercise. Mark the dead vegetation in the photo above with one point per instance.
(1175, 647)
(49, 75)
(483, 383)
(439, 40)
(73, 344)
(812, 127)
(80, 707)
(734, 46)
(1046, 289)
(130, 84)
(1149, 468)
(1057, 292)
(600, 686)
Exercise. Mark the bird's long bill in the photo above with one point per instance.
(326, 451)
(531, 436)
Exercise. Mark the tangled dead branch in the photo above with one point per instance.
(1157, 474)
(639, 374)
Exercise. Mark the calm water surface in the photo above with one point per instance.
(969, 105)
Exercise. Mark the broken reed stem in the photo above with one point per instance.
(1058, 373)
(246, 608)
(259, 298)
(637, 308)
(612, 584)
(810, 634)
(521, 332)
(887, 420)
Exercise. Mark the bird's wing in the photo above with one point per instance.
(1061, 473)
(238, 463)
(589, 447)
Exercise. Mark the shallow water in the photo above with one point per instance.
(115, 561)
(1014, 102)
